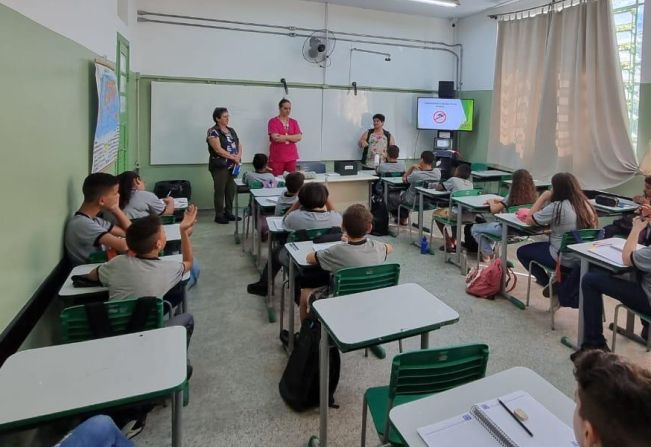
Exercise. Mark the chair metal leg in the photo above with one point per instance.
(551, 300)
(364, 415)
(400, 345)
(615, 327)
(529, 284)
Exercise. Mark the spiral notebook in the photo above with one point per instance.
(488, 424)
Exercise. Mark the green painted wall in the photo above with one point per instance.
(474, 145)
(47, 115)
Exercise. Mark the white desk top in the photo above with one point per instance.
(363, 319)
(430, 192)
(537, 183)
(490, 173)
(393, 180)
(476, 202)
(513, 221)
(172, 232)
(625, 206)
(275, 224)
(299, 250)
(266, 202)
(333, 177)
(267, 192)
(180, 203)
(585, 250)
(42, 383)
(67, 289)
(407, 418)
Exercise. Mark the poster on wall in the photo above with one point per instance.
(107, 131)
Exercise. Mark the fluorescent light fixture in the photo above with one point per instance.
(446, 3)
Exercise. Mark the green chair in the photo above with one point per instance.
(451, 220)
(568, 239)
(98, 257)
(478, 166)
(167, 220)
(418, 374)
(391, 174)
(497, 239)
(643, 317)
(413, 207)
(361, 279)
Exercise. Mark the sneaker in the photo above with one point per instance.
(576, 354)
(284, 337)
(257, 288)
(545, 290)
(221, 220)
(231, 217)
(133, 428)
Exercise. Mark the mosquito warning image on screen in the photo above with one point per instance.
(445, 114)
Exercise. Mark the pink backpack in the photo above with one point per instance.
(485, 283)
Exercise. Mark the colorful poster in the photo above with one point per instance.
(107, 131)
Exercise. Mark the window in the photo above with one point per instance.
(629, 16)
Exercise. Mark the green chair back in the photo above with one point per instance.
(280, 184)
(391, 174)
(478, 166)
(75, 327)
(586, 236)
(97, 257)
(167, 220)
(255, 184)
(361, 279)
(467, 193)
(311, 234)
(514, 208)
(431, 371)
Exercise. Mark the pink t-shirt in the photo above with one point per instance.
(283, 151)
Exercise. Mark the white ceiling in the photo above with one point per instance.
(467, 7)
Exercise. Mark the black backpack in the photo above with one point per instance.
(299, 386)
(174, 188)
(380, 217)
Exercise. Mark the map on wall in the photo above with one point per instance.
(107, 131)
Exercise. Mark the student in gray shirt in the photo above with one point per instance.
(633, 294)
(392, 164)
(86, 233)
(293, 183)
(420, 174)
(356, 251)
(261, 174)
(460, 181)
(136, 202)
(564, 208)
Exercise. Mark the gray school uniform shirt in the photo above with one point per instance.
(266, 178)
(641, 260)
(352, 254)
(387, 167)
(82, 236)
(454, 184)
(567, 223)
(284, 203)
(134, 277)
(419, 178)
(309, 220)
(143, 204)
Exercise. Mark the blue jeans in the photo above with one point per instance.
(490, 228)
(98, 431)
(539, 252)
(594, 285)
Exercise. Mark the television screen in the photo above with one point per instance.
(445, 114)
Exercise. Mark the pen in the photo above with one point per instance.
(293, 245)
(515, 417)
(169, 192)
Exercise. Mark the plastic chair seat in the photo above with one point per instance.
(377, 399)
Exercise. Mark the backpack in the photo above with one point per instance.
(299, 385)
(485, 283)
(175, 188)
(380, 217)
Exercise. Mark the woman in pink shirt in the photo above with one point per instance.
(284, 133)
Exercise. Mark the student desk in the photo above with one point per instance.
(490, 175)
(625, 206)
(41, 385)
(297, 260)
(172, 232)
(473, 204)
(346, 190)
(276, 227)
(180, 203)
(263, 199)
(588, 258)
(539, 184)
(409, 417)
(391, 183)
(366, 319)
(430, 193)
(241, 188)
(509, 220)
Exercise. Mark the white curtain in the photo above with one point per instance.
(558, 96)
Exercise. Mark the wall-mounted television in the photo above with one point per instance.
(445, 114)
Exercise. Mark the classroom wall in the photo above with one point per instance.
(47, 116)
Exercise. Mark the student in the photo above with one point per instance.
(613, 401)
(623, 225)
(522, 192)
(564, 208)
(313, 210)
(293, 183)
(418, 175)
(392, 164)
(460, 181)
(357, 251)
(136, 202)
(86, 233)
(261, 174)
(634, 294)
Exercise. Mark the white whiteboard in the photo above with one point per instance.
(181, 113)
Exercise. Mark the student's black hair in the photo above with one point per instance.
(356, 220)
(463, 171)
(218, 112)
(294, 182)
(125, 180)
(313, 196)
(260, 161)
(379, 116)
(647, 179)
(393, 151)
(283, 101)
(427, 157)
(143, 233)
(96, 185)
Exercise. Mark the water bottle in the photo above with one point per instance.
(236, 170)
(376, 160)
(424, 246)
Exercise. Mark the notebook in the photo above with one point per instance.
(611, 250)
(488, 424)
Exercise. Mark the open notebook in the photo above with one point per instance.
(488, 424)
(611, 250)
